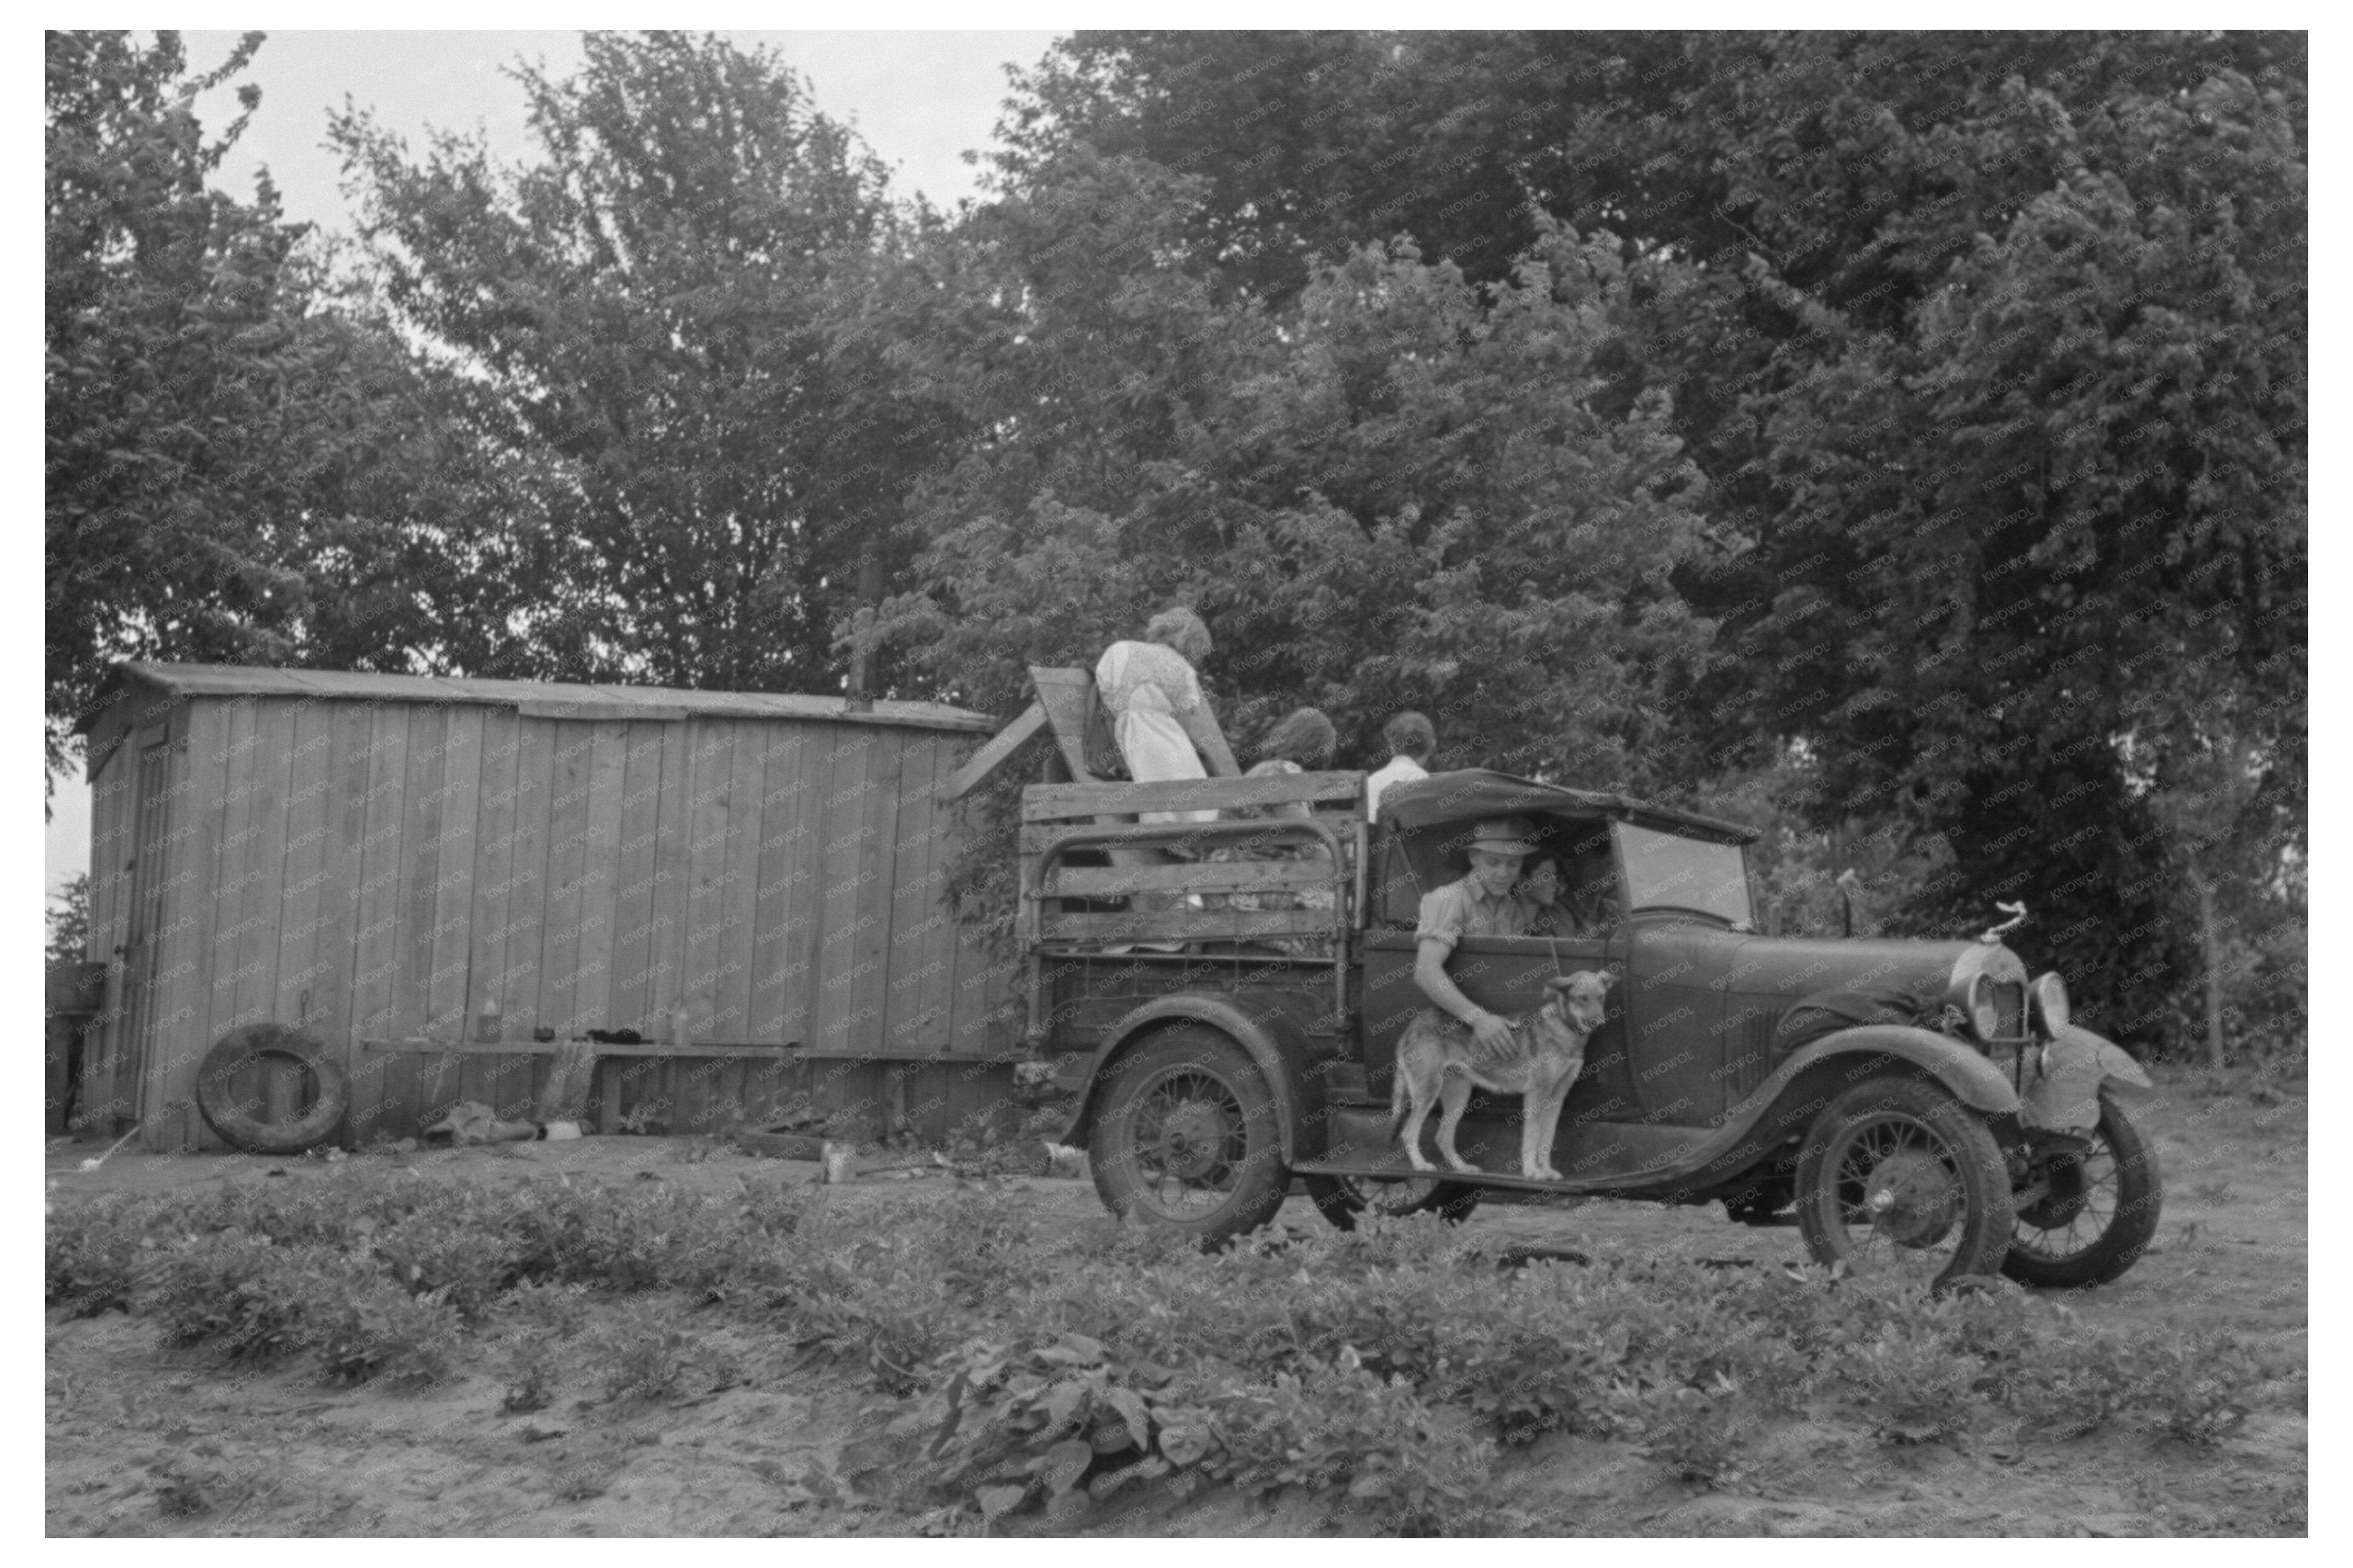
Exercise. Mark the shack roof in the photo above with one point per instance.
(1474, 794)
(532, 699)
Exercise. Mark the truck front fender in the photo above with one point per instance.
(2064, 1095)
(1973, 1080)
(1276, 1045)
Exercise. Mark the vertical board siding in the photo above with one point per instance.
(228, 881)
(260, 910)
(710, 777)
(351, 730)
(870, 954)
(920, 946)
(182, 992)
(309, 782)
(567, 859)
(385, 868)
(528, 1004)
(840, 838)
(105, 1090)
(424, 798)
(600, 878)
(375, 946)
(666, 921)
(641, 778)
(449, 985)
(493, 897)
(780, 902)
(713, 1096)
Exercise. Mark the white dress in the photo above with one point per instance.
(1399, 770)
(1143, 687)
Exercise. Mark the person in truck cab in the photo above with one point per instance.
(1486, 902)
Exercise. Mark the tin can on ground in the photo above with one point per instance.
(836, 1163)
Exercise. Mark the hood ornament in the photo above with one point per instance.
(2017, 913)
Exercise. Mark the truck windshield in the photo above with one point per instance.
(1664, 870)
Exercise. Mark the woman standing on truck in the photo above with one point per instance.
(1160, 717)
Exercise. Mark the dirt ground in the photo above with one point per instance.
(142, 1442)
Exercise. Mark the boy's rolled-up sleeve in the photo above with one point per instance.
(1442, 917)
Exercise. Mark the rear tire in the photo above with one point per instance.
(2097, 1218)
(1187, 1137)
(1340, 1199)
(1899, 1177)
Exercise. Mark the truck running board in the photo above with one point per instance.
(1596, 1157)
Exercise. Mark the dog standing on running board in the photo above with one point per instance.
(1439, 1059)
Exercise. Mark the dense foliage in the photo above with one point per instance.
(237, 467)
(663, 316)
(1896, 437)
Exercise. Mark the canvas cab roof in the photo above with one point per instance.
(1474, 794)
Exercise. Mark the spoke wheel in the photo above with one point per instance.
(1340, 1199)
(1187, 1136)
(2097, 1211)
(1899, 1178)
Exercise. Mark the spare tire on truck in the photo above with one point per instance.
(238, 1119)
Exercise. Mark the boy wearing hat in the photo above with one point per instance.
(1486, 902)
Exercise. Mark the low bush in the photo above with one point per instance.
(1382, 1366)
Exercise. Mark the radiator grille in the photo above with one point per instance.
(2010, 1009)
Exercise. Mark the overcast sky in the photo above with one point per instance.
(919, 98)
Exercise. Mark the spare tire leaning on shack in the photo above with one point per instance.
(237, 1122)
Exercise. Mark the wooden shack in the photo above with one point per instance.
(438, 878)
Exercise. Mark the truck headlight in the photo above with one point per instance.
(1984, 1017)
(2047, 1001)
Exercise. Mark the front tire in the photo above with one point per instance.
(2096, 1217)
(1897, 1177)
(1340, 1199)
(1188, 1137)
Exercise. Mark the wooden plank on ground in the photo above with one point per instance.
(1049, 802)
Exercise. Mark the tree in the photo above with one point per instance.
(69, 920)
(1990, 346)
(1392, 493)
(663, 317)
(236, 469)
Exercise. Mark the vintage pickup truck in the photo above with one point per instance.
(1227, 994)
